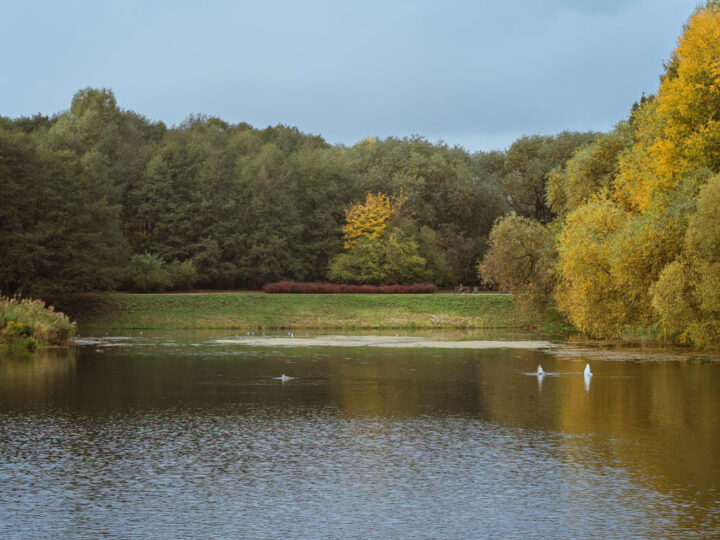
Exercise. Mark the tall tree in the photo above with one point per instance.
(634, 229)
(60, 230)
(527, 166)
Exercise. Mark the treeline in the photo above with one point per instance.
(101, 198)
(634, 247)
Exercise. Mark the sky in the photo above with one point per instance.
(477, 74)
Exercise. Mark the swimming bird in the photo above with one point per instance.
(540, 370)
(587, 371)
(285, 378)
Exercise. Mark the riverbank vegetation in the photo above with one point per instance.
(631, 242)
(28, 324)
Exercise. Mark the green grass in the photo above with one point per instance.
(338, 311)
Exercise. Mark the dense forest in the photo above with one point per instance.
(634, 247)
(100, 198)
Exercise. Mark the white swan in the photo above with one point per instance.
(540, 370)
(285, 378)
(587, 371)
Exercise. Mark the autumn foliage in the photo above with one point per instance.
(382, 246)
(620, 252)
(368, 220)
(637, 220)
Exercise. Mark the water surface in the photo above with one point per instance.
(181, 435)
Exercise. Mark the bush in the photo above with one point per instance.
(28, 323)
(149, 273)
(182, 275)
(290, 287)
(393, 258)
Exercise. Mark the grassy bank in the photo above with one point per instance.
(257, 310)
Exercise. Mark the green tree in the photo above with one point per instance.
(527, 166)
(589, 171)
(60, 230)
(388, 260)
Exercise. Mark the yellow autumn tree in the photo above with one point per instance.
(367, 220)
(686, 297)
(636, 178)
(678, 133)
(689, 100)
(622, 255)
(586, 290)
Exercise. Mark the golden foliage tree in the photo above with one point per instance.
(624, 256)
(678, 133)
(586, 290)
(368, 220)
(689, 100)
(686, 297)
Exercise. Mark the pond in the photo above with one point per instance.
(191, 434)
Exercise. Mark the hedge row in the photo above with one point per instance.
(336, 288)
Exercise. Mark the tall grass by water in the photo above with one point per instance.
(29, 323)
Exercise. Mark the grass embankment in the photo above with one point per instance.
(330, 311)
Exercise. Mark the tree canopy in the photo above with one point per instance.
(636, 219)
(96, 190)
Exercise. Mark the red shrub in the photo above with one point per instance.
(296, 287)
(331, 288)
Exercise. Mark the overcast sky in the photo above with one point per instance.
(474, 73)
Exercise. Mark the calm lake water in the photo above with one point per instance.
(179, 436)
